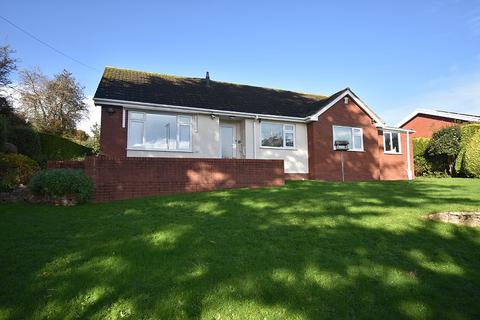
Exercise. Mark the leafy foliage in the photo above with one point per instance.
(467, 132)
(16, 169)
(59, 183)
(471, 161)
(8, 113)
(55, 147)
(444, 147)
(52, 105)
(27, 142)
(8, 64)
(422, 165)
(94, 141)
(3, 133)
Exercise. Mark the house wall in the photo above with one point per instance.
(395, 166)
(425, 125)
(370, 164)
(113, 138)
(296, 160)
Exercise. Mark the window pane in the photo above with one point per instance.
(184, 119)
(184, 137)
(343, 134)
(357, 142)
(288, 127)
(272, 135)
(289, 139)
(161, 131)
(395, 142)
(135, 134)
(387, 137)
(135, 115)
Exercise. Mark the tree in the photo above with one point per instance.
(7, 65)
(94, 141)
(52, 105)
(445, 144)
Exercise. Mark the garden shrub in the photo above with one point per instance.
(422, 165)
(56, 184)
(27, 142)
(58, 148)
(471, 161)
(444, 147)
(16, 169)
(467, 132)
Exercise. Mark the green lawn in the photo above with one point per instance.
(308, 250)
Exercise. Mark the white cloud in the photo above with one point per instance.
(457, 94)
(92, 117)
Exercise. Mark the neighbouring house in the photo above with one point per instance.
(148, 114)
(426, 121)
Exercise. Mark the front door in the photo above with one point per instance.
(227, 141)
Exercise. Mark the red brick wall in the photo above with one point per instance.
(70, 164)
(372, 164)
(324, 162)
(395, 166)
(125, 178)
(425, 125)
(113, 138)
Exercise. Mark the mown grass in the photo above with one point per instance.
(308, 250)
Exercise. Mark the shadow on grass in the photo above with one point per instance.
(307, 250)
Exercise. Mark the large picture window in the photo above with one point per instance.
(391, 142)
(159, 131)
(354, 136)
(278, 135)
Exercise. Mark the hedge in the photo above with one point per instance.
(421, 163)
(59, 184)
(16, 169)
(3, 133)
(468, 131)
(27, 141)
(58, 148)
(471, 161)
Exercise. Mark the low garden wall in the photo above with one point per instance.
(125, 178)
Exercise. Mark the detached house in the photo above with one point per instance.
(153, 115)
(426, 121)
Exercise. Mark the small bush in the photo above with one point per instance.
(16, 169)
(471, 161)
(422, 165)
(420, 146)
(57, 148)
(27, 142)
(444, 147)
(62, 183)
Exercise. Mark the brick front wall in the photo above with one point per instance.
(125, 178)
(113, 138)
(372, 164)
(424, 125)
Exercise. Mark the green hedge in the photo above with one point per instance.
(471, 161)
(421, 163)
(57, 148)
(27, 142)
(16, 169)
(60, 183)
(468, 131)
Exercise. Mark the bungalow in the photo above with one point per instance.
(426, 121)
(154, 115)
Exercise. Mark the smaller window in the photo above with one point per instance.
(391, 142)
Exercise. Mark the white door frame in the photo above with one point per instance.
(234, 139)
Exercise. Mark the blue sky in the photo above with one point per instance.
(396, 55)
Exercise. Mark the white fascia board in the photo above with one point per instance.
(441, 114)
(394, 129)
(182, 109)
(356, 99)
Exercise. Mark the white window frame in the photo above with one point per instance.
(180, 121)
(284, 132)
(391, 142)
(353, 144)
